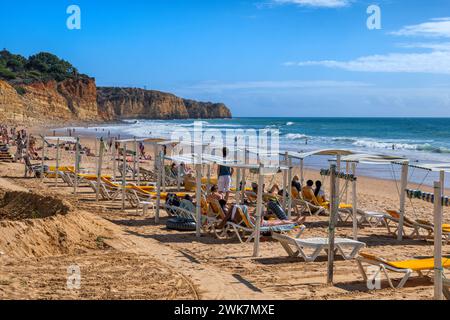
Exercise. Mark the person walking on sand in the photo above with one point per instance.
(225, 173)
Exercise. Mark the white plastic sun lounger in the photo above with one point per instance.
(372, 218)
(347, 248)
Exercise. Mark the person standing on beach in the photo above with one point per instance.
(224, 181)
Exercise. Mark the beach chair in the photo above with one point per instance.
(170, 178)
(108, 190)
(446, 288)
(296, 247)
(148, 175)
(214, 217)
(247, 228)
(406, 267)
(372, 218)
(301, 205)
(392, 223)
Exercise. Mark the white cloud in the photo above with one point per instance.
(436, 28)
(436, 61)
(317, 3)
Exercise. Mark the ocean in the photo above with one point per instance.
(419, 139)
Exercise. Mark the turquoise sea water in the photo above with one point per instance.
(420, 139)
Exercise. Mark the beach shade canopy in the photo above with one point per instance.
(145, 140)
(184, 143)
(367, 158)
(380, 159)
(262, 171)
(434, 167)
(194, 159)
(62, 139)
(322, 152)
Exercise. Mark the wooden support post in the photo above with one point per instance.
(333, 217)
(77, 166)
(354, 204)
(285, 174)
(57, 163)
(134, 159)
(403, 186)
(158, 185)
(99, 167)
(114, 158)
(347, 171)
(198, 199)
(302, 172)
(259, 209)
(43, 159)
(238, 184)
(289, 188)
(27, 154)
(124, 174)
(438, 270)
(179, 177)
(208, 177)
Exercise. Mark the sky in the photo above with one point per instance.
(267, 58)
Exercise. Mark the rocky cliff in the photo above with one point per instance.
(123, 103)
(44, 88)
(71, 99)
(81, 100)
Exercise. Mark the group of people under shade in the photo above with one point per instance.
(220, 195)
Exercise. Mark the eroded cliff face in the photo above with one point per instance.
(41, 102)
(126, 103)
(81, 100)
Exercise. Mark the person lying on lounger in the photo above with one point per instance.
(271, 194)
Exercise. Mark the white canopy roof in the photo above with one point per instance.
(62, 139)
(184, 143)
(373, 158)
(148, 140)
(435, 167)
(323, 152)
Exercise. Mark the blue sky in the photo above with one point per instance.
(260, 57)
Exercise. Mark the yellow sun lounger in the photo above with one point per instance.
(407, 267)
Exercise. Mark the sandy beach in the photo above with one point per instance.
(125, 255)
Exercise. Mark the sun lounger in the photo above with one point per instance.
(247, 228)
(347, 248)
(406, 267)
(393, 217)
(302, 205)
(372, 218)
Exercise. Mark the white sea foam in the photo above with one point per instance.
(296, 136)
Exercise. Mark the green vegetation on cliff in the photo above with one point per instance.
(39, 67)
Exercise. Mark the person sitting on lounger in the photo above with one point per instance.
(185, 170)
(174, 169)
(296, 183)
(320, 194)
(215, 195)
(308, 193)
(271, 194)
(272, 191)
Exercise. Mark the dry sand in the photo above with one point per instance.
(125, 255)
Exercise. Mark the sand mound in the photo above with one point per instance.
(22, 205)
(33, 225)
